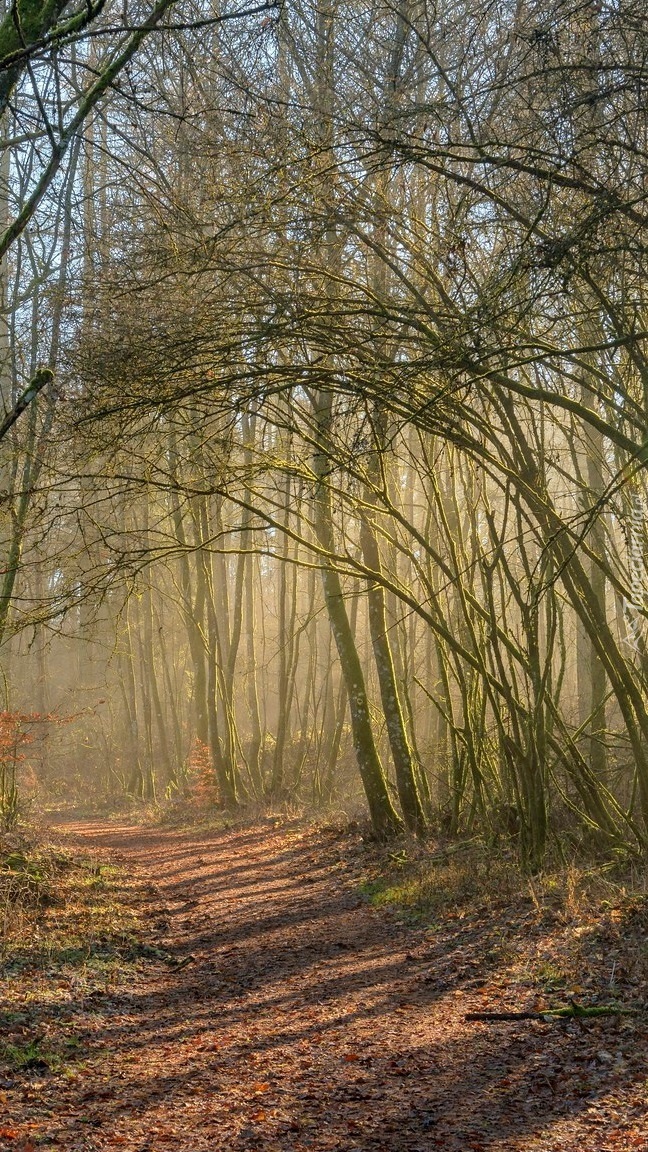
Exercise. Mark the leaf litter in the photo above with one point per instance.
(237, 1007)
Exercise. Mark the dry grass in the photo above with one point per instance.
(26, 872)
(474, 877)
(57, 912)
(578, 930)
(70, 930)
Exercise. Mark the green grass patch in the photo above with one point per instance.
(472, 877)
(28, 1057)
(424, 889)
(38, 1055)
(70, 938)
(576, 930)
(76, 920)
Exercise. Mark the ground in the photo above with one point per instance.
(269, 1006)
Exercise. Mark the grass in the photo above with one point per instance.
(64, 911)
(26, 875)
(34, 1056)
(70, 929)
(426, 884)
(579, 929)
(425, 890)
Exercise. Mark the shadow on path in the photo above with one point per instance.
(307, 1020)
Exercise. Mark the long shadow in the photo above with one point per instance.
(332, 986)
(503, 1091)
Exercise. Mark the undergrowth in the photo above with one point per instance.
(473, 876)
(26, 873)
(576, 929)
(70, 931)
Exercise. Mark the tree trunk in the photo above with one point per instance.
(384, 819)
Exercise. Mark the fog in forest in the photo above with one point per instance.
(334, 494)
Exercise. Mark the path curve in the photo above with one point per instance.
(306, 1020)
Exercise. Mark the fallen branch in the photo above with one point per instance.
(444, 854)
(574, 1011)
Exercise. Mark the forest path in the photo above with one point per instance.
(308, 1020)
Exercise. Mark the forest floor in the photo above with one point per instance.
(234, 990)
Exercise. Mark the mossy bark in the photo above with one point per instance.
(384, 818)
(408, 793)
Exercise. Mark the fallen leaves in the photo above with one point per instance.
(324, 1027)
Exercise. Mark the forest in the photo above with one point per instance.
(333, 478)
(324, 433)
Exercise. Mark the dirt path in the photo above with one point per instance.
(308, 1020)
